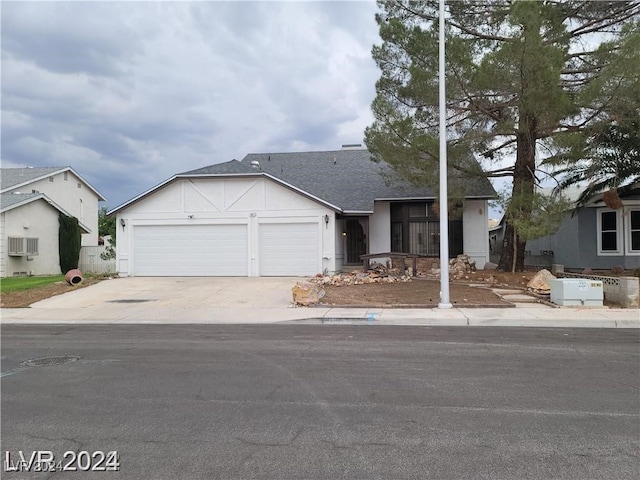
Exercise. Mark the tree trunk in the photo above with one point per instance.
(520, 206)
(512, 258)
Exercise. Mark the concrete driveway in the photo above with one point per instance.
(179, 300)
(179, 292)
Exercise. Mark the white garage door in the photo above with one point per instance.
(190, 250)
(288, 249)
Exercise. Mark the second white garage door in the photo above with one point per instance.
(190, 250)
(289, 249)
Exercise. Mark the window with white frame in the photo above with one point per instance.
(633, 229)
(618, 231)
(609, 232)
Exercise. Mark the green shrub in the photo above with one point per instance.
(69, 242)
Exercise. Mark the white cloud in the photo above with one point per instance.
(131, 93)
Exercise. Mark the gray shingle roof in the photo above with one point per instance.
(17, 176)
(348, 179)
(226, 168)
(9, 199)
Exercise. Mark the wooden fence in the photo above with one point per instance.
(92, 262)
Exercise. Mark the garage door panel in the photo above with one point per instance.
(288, 249)
(190, 250)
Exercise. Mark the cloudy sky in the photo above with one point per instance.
(129, 93)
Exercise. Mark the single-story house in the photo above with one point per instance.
(289, 214)
(597, 236)
(31, 200)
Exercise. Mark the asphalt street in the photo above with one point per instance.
(322, 401)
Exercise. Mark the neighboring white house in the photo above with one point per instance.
(284, 214)
(31, 200)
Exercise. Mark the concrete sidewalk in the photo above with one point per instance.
(266, 300)
(525, 315)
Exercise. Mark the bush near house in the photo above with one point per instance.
(70, 241)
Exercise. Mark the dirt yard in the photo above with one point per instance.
(471, 290)
(24, 298)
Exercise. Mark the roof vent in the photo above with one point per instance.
(352, 146)
(255, 164)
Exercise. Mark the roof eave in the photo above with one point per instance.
(405, 199)
(42, 196)
(20, 204)
(101, 197)
(225, 175)
(141, 196)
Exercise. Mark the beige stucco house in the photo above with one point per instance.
(30, 201)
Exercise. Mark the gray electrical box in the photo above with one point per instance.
(577, 292)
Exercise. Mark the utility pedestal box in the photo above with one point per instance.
(577, 292)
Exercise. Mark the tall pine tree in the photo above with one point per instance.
(525, 79)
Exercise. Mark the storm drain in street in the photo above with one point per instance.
(50, 361)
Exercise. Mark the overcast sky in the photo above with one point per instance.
(129, 93)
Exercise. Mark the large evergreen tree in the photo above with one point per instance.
(525, 80)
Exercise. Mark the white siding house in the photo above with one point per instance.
(292, 214)
(224, 227)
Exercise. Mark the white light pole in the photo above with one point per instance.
(444, 216)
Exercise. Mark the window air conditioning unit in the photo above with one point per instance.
(21, 246)
(576, 292)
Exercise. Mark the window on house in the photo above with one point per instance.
(396, 236)
(418, 210)
(415, 228)
(66, 176)
(634, 231)
(51, 179)
(424, 238)
(609, 231)
(79, 185)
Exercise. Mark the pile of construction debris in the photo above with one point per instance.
(376, 274)
(361, 278)
(310, 292)
(460, 266)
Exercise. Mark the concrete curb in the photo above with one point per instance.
(522, 316)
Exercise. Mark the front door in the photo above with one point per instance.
(356, 241)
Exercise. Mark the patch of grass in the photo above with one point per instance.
(14, 284)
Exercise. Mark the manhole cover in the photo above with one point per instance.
(50, 361)
(130, 300)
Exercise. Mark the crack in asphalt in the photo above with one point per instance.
(271, 444)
